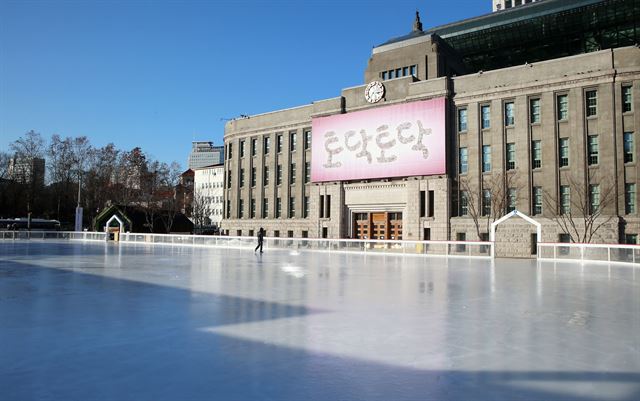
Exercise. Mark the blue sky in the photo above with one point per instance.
(159, 74)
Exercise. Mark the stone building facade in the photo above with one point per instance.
(550, 138)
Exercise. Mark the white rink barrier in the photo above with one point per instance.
(426, 248)
(604, 253)
(474, 249)
(48, 235)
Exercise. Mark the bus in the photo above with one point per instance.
(23, 224)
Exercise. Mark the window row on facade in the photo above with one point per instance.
(410, 70)
(535, 114)
(266, 144)
(592, 156)
(251, 212)
(266, 176)
(563, 203)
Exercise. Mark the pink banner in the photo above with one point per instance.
(394, 141)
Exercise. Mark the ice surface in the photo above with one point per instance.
(105, 321)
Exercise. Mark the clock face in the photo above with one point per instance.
(374, 92)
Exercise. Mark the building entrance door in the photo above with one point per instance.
(377, 225)
(361, 226)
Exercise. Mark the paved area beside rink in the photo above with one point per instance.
(105, 321)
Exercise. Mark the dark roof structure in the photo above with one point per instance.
(539, 31)
(135, 220)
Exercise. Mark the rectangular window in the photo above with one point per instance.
(241, 177)
(631, 239)
(431, 204)
(253, 208)
(563, 107)
(423, 203)
(265, 208)
(293, 141)
(537, 200)
(464, 203)
(391, 74)
(328, 204)
(563, 150)
(398, 72)
(591, 103)
(511, 156)
(486, 116)
(279, 174)
(305, 207)
(512, 199)
(253, 176)
(228, 209)
(629, 198)
(254, 147)
(509, 114)
(267, 144)
(629, 148)
(536, 156)
(279, 143)
(321, 206)
(241, 209)
(486, 202)
(241, 149)
(593, 149)
(565, 199)
(462, 120)
(265, 177)
(230, 151)
(534, 109)
(564, 238)
(278, 208)
(292, 174)
(384, 75)
(405, 71)
(307, 139)
(463, 161)
(292, 207)
(486, 158)
(307, 172)
(626, 99)
(229, 179)
(594, 198)
(413, 70)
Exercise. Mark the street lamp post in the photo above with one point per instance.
(78, 226)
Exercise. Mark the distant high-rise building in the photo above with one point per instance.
(27, 171)
(205, 154)
(504, 4)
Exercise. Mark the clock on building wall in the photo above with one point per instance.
(374, 92)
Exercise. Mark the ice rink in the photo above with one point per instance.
(105, 321)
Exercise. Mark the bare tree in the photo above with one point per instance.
(200, 211)
(4, 165)
(27, 151)
(485, 210)
(100, 178)
(131, 172)
(584, 215)
(171, 204)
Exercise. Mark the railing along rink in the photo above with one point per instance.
(598, 253)
(472, 249)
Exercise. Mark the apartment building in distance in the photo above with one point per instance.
(454, 127)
